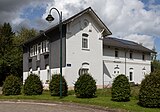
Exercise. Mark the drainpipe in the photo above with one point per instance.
(125, 62)
(103, 74)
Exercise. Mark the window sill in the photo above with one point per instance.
(86, 49)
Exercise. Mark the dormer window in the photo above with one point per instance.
(85, 41)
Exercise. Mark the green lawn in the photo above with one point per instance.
(103, 99)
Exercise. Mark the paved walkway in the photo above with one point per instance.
(8, 106)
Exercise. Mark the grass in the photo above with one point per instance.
(103, 99)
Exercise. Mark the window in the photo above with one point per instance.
(35, 50)
(143, 57)
(31, 51)
(84, 69)
(39, 48)
(116, 70)
(45, 46)
(131, 55)
(85, 41)
(38, 70)
(131, 74)
(116, 53)
(144, 71)
(48, 72)
(30, 71)
(86, 22)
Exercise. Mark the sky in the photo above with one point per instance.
(135, 20)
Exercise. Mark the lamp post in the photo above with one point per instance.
(50, 18)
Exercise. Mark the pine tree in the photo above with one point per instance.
(6, 41)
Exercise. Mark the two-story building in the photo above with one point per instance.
(86, 48)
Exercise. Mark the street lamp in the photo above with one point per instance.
(50, 18)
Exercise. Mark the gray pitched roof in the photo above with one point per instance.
(121, 43)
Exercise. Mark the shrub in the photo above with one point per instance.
(85, 86)
(12, 86)
(33, 85)
(54, 86)
(121, 89)
(149, 94)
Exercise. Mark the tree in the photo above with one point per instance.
(85, 86)
(33, 85)
(149, 94)
(12, 86)
(25, 34)
(121, 89)
(54, 86)
(155, 65)
(11, 50)
(6, 41)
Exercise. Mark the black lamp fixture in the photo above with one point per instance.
(50, 18)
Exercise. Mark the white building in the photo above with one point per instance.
(86, 49)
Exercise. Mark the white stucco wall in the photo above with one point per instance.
(136, 63)
(75, 55)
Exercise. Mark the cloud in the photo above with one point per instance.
(130, 19)
(145, 40)
(11, 10)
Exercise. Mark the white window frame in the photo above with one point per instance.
(85, 37)
(40, 48)
(45, 46)
(31, 51)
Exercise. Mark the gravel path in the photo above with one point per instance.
(10, 106)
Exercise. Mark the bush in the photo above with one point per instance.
(149, 94)
(54, 86)
(12, 86)
(85, 86)
(121, 89)
(33, 85)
